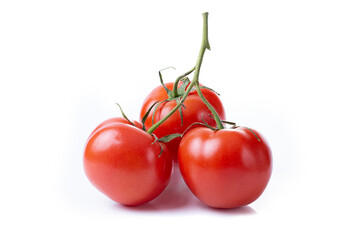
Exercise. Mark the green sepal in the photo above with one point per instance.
(180, 110)
(206, 124)
(204, 87)
(168, 91)
(146, 115)
(234, 127)
(253, 133)
(168, 138)
(182, 88)
(157, 105)
(227, 122)
(124, 116)
(155, 139)
(198, 123)
(161, 150)
(224, 121)
(165, 139)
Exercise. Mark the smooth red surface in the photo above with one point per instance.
(225, 168)
(193, 112)
(122, 162)
(116, 120)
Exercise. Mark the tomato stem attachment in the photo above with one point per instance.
(124, 116)
(168, 91)
(176, 83)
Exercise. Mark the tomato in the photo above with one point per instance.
(226, 168)
(194, 110)
(125, 164)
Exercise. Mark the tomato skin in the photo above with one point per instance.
(116, 120)
(123, 163)
(194, 111)
(225, 168)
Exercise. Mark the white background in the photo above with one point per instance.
(286, 68)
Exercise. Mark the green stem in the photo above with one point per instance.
(204, 45)
(176, 83)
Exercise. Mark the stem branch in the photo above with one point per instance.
(176, 83)
(195, 82)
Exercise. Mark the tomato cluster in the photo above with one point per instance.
(194, 111)
(181, 123)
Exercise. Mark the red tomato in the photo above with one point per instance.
(123, 162)
(195, 109)
(225, 168)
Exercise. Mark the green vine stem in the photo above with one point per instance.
(195, 82)
(205, 45)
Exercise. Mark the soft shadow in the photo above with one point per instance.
(176, 195)
(245, 210)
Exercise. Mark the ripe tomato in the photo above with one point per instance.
(194, 110)
(225, 168)
(124, 163)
